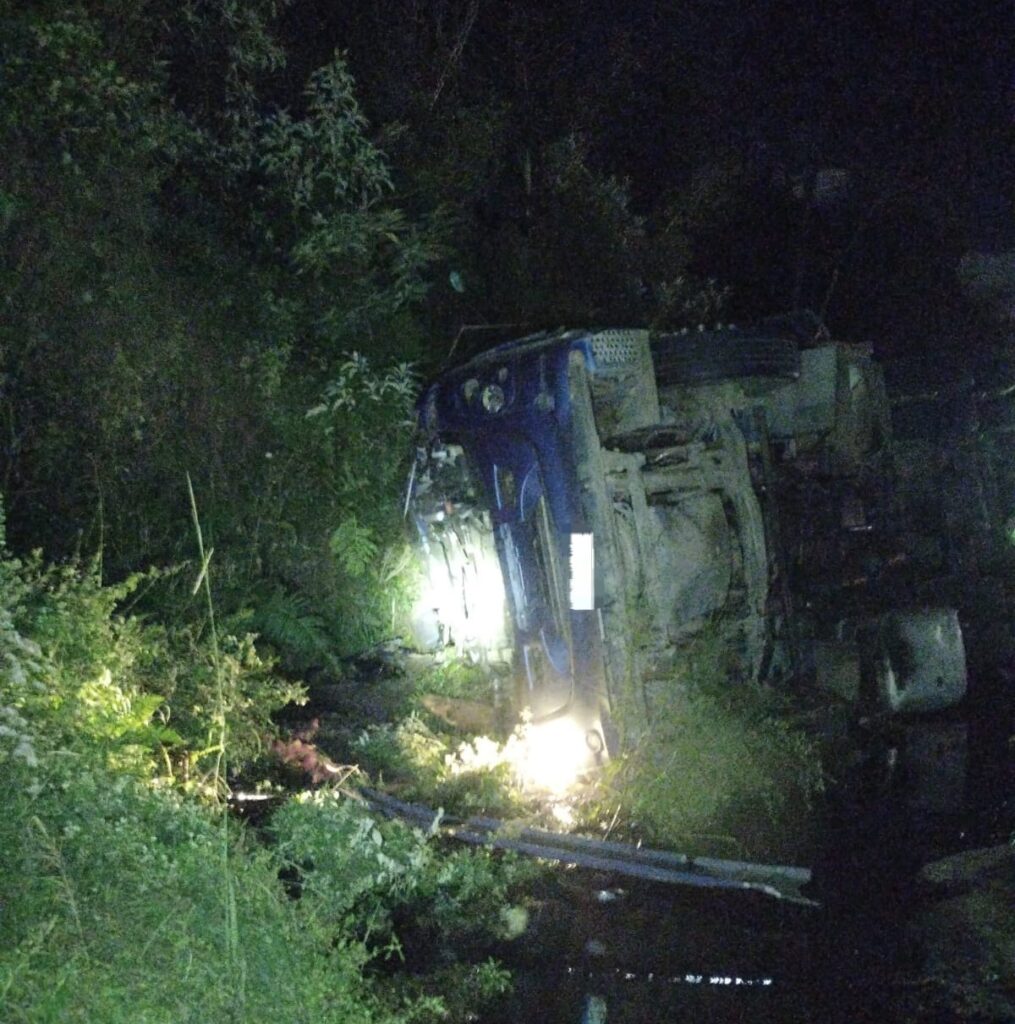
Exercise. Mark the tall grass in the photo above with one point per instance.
(723, 767)
(235, 974)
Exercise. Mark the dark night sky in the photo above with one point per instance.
(913, 99)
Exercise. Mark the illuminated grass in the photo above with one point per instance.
(722, 768)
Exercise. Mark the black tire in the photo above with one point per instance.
(706, 357)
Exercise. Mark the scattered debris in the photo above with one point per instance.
(300, 752)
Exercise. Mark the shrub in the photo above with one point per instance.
(126, 690)
(351, 867)
(722, 767)
(419, 764)
(125, 899)
(363, 875)
(124, 903)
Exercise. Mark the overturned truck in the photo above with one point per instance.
(588, 502)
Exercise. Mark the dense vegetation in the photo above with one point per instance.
(189, 270)
(126, 898)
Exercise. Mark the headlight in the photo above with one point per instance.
(546, 757)
(493, 398)
(556, 753)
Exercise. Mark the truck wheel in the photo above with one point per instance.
(711, 356)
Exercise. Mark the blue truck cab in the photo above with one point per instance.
(497, 468)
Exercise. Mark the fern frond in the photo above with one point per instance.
(354, 546)
(288, 623)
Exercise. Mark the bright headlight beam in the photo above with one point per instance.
(555, 753)
(464, 589)
(547, 757)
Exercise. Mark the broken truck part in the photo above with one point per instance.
(588, 502)
(775, 881)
